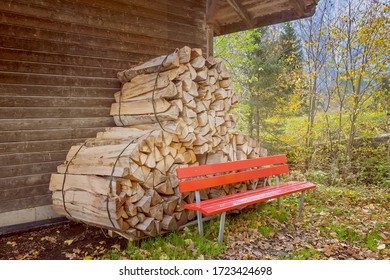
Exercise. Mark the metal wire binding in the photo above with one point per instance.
(120, 106)
(154, 90)
(63, 181)
(112, 174)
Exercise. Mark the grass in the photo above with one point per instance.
(302, 254)
(183, 245)
(342, 232)
(372, 240)
(346, 222)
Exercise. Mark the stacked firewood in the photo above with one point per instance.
(124, 179)
(172, 111)
(183, 91)
(235, 147)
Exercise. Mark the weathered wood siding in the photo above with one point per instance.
(58, 64)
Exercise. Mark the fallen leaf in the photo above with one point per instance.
(189, 243)
(328, 250)
(316, 256)
(116, 247)
(70, 256)
(88, 258)
(68, 242)
(289, 247)
(36, 253)
(51, 239)
(12, 243)
(76, 251)
(381, 246)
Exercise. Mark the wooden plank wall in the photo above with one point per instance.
(58, 63)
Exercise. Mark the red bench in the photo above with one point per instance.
(196, 178)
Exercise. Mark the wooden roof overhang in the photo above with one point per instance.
(228, 16)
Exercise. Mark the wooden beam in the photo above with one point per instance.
(211, 12)
(242, 12)
(299, 7)
(210, 41)
(279, 17)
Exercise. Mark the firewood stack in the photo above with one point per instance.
(172, 111)
(183, 89)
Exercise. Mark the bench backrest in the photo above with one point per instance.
(241, 170)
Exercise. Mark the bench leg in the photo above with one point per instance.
(279, 199)
(200, 222)
(199, 214)
(301, 204)
(221, 227)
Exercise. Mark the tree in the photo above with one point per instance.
(291, 53)
(360, 53)
(315, 41)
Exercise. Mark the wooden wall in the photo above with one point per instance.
(58, 64)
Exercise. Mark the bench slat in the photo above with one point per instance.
(230, 202)
(226, 179)
(208, 169)
(235, 196)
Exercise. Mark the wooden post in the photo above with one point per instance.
(210, 38)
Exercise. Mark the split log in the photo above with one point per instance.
(159, 63)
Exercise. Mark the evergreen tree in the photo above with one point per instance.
(291, 54)
(263, 71)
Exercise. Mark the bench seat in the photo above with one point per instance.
(238, 200)
(198, 178)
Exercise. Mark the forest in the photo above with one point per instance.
(318, 90)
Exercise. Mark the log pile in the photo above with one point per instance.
(172, 111)
(124, 179)
(188, 93)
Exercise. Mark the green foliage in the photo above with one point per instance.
(291, 53)
(182, 245)
(318, 90)
(372, 240)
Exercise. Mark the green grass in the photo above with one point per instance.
(302, 254)
(266, 230)
(344, 233)
(372, 241)
(183, 245)
(114, 254)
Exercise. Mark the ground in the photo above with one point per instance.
(68, 240)
(338, 223)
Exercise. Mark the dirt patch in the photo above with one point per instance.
(60, 242)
